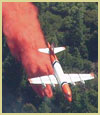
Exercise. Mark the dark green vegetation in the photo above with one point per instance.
(74, 25)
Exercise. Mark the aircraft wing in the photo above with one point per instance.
(69, 78)
(48, 79)
(72, 78)
(56, 50)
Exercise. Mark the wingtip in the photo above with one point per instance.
(92, 74)
(29, 80)
(64, 47)
(39, 49)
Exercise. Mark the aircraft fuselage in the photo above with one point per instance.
(59, 74)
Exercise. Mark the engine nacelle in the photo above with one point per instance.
(83, 82)
(73, 83)
(43, 85)
(53, 85)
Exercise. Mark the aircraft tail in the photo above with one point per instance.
(56, 50)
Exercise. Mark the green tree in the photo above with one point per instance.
(29, 108)
(74, 25)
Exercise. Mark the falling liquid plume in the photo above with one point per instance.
(24, 37)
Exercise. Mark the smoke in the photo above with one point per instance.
(24, 37)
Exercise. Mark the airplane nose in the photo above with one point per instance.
(67, 91)
(69, 98)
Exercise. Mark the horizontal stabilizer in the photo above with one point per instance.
(44, 50)
(56, 50)
(59, 49)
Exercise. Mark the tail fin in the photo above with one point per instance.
(56, 50)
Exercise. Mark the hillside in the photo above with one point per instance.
(74, 25)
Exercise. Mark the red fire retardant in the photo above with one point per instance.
(24, 37)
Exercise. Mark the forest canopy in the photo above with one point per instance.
(74, 25)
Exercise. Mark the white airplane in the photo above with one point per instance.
(59, 77)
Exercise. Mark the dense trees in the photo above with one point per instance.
(74, 25)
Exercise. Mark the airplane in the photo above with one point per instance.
(59, 77)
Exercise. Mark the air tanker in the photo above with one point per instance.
(59, 77)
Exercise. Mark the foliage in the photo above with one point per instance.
(74, 25)
(29, 108)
